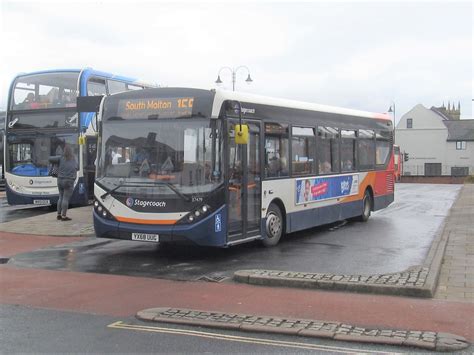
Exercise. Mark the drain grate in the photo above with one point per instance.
(212, 278)
(4, 260)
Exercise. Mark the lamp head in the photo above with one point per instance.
(218, 81)
(249, 79)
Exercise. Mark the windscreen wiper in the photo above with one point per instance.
(172, 188)
(113, 190)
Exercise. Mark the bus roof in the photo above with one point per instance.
(88, 72)
(222, 95)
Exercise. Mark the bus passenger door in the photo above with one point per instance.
(244, 188)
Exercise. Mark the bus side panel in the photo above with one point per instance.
(384, 189)
(303, 216)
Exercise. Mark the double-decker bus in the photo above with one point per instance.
(42, 118)
(220, 168)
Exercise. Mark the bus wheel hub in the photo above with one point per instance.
(273, 225)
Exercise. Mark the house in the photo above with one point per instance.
(437, 141)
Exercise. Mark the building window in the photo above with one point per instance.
(432, 169)
(460, 171)
(409, 122)
(461, 145)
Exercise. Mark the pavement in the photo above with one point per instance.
(443, 323)
(80, 225)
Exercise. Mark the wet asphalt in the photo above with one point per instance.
(393, 240)
(10, 213)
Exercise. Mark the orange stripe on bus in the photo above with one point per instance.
(368, 180)
(146, 221)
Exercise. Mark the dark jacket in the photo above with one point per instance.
(67, 168)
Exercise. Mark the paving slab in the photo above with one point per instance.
(81, 224)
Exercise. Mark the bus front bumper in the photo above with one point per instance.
(209, 231)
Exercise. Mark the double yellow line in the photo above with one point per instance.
(250, 340)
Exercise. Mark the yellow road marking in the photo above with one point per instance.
(259, 341)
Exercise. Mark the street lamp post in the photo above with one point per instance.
(234, 72)
(391, 109)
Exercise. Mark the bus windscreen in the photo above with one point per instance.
(45, 91)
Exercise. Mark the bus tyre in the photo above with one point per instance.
(273, 226)
(366, 207)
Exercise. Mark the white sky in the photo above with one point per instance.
(361, 55)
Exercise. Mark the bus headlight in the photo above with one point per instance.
(102, 211)
(195, 215)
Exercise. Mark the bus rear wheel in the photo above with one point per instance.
(273, 226)
(366, 207)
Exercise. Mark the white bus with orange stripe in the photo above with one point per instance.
(171, 167)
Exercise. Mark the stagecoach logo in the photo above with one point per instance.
(40, 182)
(131, 202)
(248, 110)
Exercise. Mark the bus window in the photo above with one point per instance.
(44, 91)
(131, 87)
(96, 87)
(382, 147)
(276, 150)
(116, 86)
(348, 150)
(366, 149)
(302, 150)
(328, 150)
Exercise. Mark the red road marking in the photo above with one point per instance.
(124, 296)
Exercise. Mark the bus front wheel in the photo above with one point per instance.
(366, 207)
(273, 226)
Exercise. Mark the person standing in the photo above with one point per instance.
(66, 176)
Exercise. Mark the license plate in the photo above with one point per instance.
(144, 237)
(41, 202)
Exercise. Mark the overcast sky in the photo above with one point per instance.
(361, 55)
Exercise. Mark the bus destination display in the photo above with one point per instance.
(155, 108)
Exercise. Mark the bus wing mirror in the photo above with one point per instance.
(88, 103)
(241, 134)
